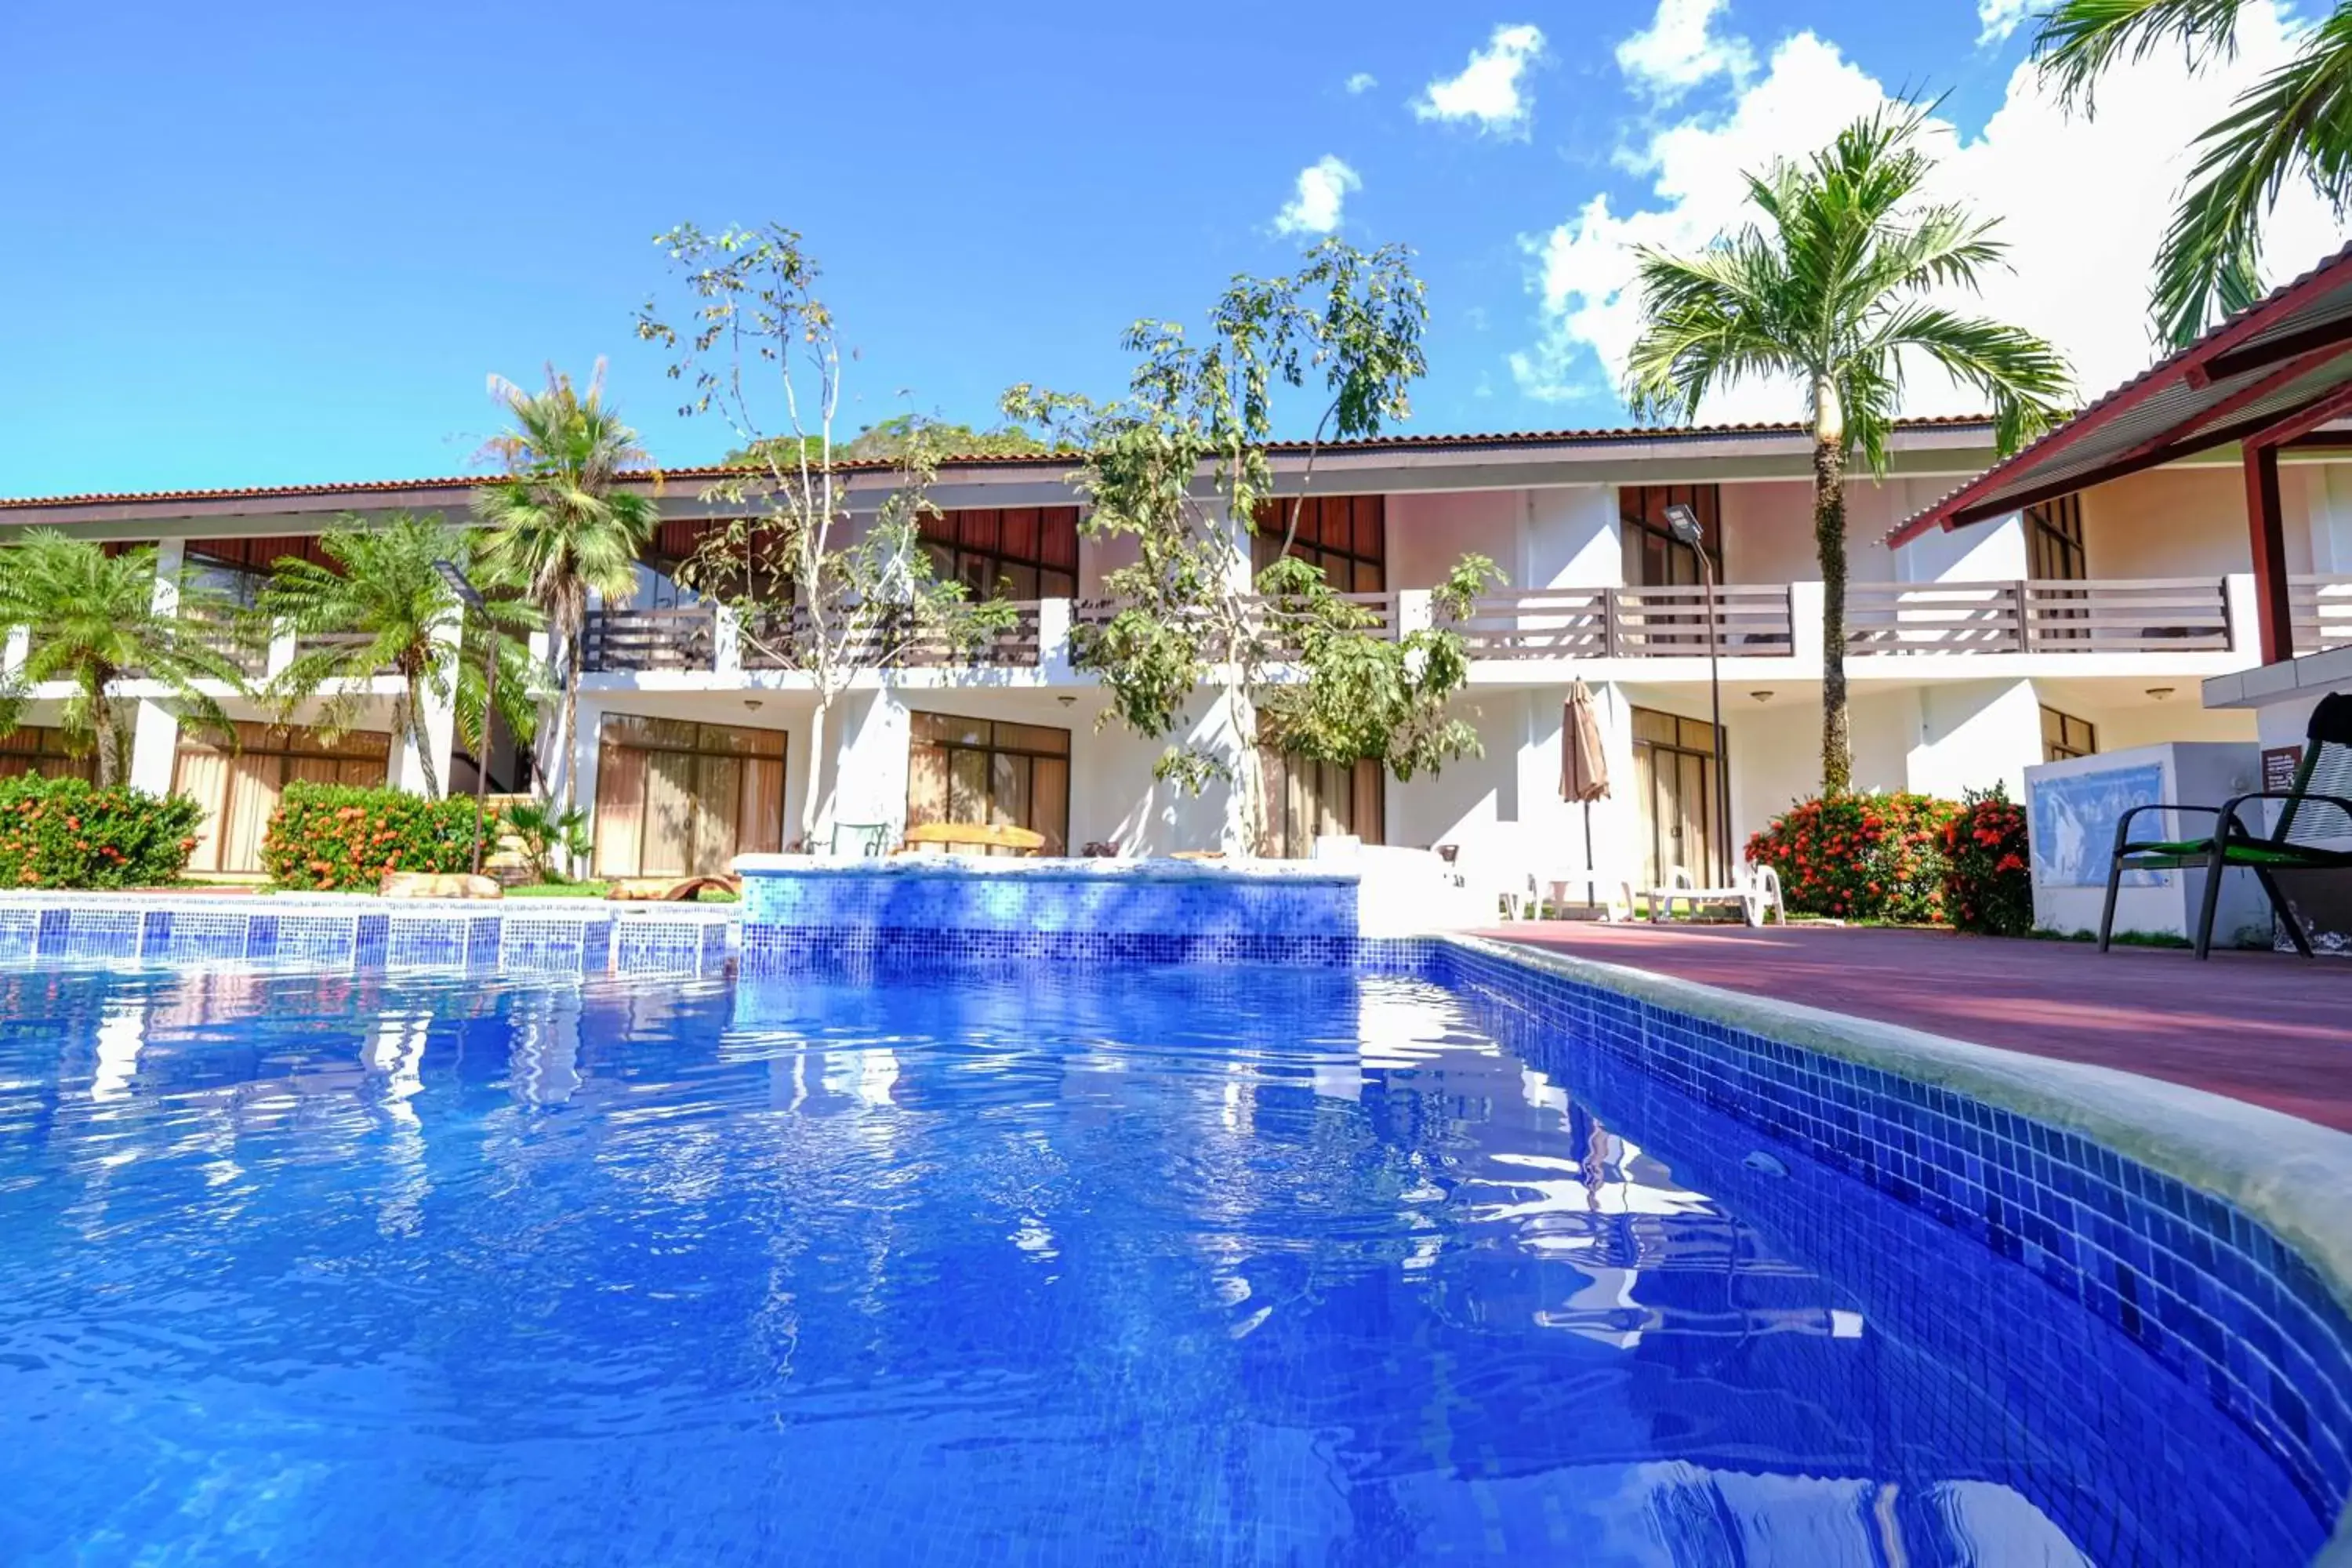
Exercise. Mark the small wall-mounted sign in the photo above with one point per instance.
(2279, 763)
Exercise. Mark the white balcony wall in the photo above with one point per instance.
(1429, 532)
(2327, 503)
(2188, 522)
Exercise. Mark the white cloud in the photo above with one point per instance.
(2084, 205)
(1323, 188)
(1999, 18)
(1362, 82)
(1488, 89)
(1680, 49)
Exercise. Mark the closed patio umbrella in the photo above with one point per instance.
(1583, 766)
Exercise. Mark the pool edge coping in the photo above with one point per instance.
(2292, 1174)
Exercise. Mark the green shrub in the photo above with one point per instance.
(1987, 875)
(1860, 857)
(68, 833)
(326, 836)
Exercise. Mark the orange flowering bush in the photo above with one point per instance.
(1860, 857)
(340, 836)
(1987, 875)
(68, 833)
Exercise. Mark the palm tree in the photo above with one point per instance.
(93, 621)
(383, 606)
(2295, 124)
(1831, 290)
(558, 525)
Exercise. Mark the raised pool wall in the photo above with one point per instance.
(540, 936)
(801, 910)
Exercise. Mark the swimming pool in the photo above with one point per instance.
(1223, 1263)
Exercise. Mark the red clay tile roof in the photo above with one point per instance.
(700, 472)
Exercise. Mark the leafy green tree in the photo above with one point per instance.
(1831, 290)
(1179, 465)
(2293, 124)
(822, 566)
(93, 621)
(892, 438)
(383, 606)
(561, 521)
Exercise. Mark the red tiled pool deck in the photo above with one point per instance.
(2266, 1027)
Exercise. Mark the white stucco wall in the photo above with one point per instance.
(1429, 532)
(2185, 522)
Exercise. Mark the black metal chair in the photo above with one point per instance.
(2316, 808)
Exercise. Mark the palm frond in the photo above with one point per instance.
(2079, 39)
(2296, 122)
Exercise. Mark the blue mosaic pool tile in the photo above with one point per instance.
(2198, 1283)
(776, 950)
(894, 897)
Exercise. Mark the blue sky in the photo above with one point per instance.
(277, 243)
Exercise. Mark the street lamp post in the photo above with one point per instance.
(471, 598)
(1684, 524)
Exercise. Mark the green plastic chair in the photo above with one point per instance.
(2312, 812)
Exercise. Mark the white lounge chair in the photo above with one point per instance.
(1756, 890)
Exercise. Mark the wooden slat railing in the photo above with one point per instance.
(2150, 615)
(1017, 647)
(628, 641)
(311, 643)
(2322, 611)
(2144, 615)
(1262, 615)
(1746, 620)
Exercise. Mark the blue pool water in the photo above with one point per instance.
(1183, 1265)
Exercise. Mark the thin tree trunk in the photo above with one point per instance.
(101, 725)
(1249, 779)
(571, 730)
(813, 798)
(417, 737)
(1828, 540)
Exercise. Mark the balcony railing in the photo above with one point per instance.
(636, 641)
(2155, 615)
(633, 641)
(2322, 611)
(1015, 647)
(1263, 614)
(1746, 620)
(1742, 620)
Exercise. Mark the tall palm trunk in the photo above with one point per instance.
(411, 727)
(1828, 540)
(102, 730)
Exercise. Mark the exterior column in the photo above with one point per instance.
(2244, 613)
(155, 729)
(591, 726)
(1053, 618)
(870, 733)
(2274, 612)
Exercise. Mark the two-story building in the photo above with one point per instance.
(2076, 623)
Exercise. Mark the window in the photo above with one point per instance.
(1006, 552)
(989, 773)
(2053, 541)
(1305, 800)
(1675, 788)
(1346, 536)
(41, 752)
(2064, 737)
(679, 799)
(1654, 558)
(238, 787)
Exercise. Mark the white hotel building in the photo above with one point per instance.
(2082, 624)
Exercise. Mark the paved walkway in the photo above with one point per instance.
(2266, 1027)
